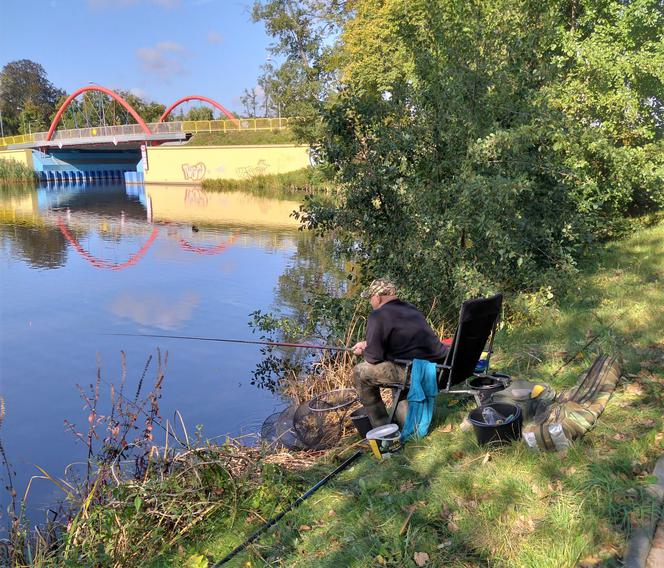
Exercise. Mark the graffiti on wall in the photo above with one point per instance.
(260, 169)
(194, 172)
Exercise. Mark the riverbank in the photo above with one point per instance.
(443, 501)
(508, 506)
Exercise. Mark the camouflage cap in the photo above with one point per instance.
(380, 287)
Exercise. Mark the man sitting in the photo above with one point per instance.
(395, 330)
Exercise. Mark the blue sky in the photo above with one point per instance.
(159, 49)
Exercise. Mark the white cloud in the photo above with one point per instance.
(138, 92)
(214, 37)
(164, 60)
(155, 310)
(172, 46)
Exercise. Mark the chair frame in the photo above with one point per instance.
(399, 388)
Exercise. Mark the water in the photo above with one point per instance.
(79, 263)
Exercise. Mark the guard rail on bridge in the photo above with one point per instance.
(157, 128)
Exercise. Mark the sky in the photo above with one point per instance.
(160, 50)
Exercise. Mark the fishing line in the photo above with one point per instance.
(246, 341)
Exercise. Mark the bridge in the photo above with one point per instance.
(120, 151)
(133, 136)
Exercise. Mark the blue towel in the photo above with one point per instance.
(421, 399)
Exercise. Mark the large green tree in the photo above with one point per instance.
(27, 97)
(480, 146)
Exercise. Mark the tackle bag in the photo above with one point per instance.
(576, 410)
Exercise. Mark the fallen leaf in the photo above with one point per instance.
(331, 513)
(421, 558)
(446, 428)
(304, 528)
(634, 388)
(589, 562)
(406, 486)
(381, 560)
(452, 527)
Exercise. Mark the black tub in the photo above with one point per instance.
(361, 421)
(486, 385)
(504, 433)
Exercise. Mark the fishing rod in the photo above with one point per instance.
(271, 343)
(274, 520)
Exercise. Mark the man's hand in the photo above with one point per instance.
(359, 347)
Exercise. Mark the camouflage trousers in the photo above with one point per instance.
(368, 379)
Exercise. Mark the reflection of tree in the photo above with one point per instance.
(305, 310)
(313, 271)
(41, 246)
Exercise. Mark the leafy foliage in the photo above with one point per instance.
(483, 146)
(27, 97)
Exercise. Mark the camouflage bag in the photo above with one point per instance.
(576, 410)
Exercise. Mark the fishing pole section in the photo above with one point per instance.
(245, 341)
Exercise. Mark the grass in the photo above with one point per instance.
(247, 137)
(503, 507)
(286, 185)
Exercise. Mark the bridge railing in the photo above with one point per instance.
(237, 125)
(192, 126)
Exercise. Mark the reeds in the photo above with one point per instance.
(13, 171)
(294, 184)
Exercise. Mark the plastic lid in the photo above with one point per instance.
(383, 432)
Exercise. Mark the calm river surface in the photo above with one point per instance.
(78, 263)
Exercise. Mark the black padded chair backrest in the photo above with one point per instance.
(477, 320)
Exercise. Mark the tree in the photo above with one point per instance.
(24, 85)
(304, 33)
(481, 146)
(200, 113)
(249, 100)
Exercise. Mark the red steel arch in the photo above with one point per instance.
(197, 98)
(101, 89)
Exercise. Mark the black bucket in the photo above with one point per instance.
(485, 385)
(504, 433)
(361, 421)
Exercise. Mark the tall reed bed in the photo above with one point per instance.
(294, 184)
(13, 171)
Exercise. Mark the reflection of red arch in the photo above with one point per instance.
(104, 90)
(98, 263)
(221, 247)
(197, 98)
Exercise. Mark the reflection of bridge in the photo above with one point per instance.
(134, 135)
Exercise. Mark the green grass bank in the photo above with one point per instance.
(508, 507)
(247, 137)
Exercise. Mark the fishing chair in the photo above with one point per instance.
(478, 320)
